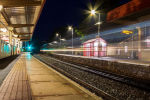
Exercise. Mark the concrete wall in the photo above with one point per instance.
(145, 55)
(111, 50)
(137, 72)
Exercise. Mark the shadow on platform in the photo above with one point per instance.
(6, 61)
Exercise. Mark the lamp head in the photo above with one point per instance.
(57, 34)
(70, 27)
(1, 7)
(92, 12)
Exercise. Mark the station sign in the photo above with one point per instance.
(127, 32)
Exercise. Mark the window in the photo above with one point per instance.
(118, 51)
(95, 48)
(96, 44)
(126, 48)
(148, 43)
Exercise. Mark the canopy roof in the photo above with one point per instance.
(95, 40)
(130, 13)
(20, 17)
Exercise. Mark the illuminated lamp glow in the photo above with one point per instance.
(1, 7)
(3, 30)
(92, 12)
(70, 27)
(55, 42)
(98, 23)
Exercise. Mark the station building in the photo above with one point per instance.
(95, 48)
(18, 19)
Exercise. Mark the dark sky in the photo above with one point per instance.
(57, 13)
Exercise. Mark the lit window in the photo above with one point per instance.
(126, 48)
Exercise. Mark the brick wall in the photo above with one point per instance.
(127, 9)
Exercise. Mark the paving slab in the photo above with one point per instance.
(51, 89)
(67, 97)
(46, 78)
(40, 72)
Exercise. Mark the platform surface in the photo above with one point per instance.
(121, 60)
(31, 79)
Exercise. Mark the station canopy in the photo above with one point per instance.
(20, 17)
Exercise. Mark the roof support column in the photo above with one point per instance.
(139, 42)
(15, 42)
(21, 44)
(10, 42)
(0, 47)
(10, 37)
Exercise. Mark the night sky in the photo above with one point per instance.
(57, 13)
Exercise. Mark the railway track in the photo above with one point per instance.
(92, 71)
(116, 77)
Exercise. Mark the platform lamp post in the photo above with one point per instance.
(70, 28)
(93, 12)
(57, 34)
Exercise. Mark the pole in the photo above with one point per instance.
(132, 46)
(72, 40)
(25, 46)
(60, 41)
(98, 34)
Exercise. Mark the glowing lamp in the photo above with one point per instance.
(70, 27)
(92, 12)
(57, 34)
(1, 7)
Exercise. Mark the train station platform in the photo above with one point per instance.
(121, 60)
(30, 79)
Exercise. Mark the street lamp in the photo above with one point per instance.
(70, 28)
(57, 34)
(93, 12)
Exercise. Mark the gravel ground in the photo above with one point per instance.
(114, 88)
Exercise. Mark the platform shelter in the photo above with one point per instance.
(92, 49)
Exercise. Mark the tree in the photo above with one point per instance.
(80, 33)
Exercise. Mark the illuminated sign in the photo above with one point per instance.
(127, 32)
(4, 38)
